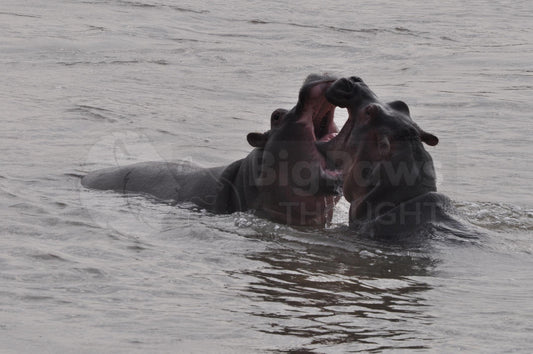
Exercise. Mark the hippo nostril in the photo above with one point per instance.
(345, 83)
(356, 79)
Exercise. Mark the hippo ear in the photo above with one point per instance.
(400, 106)
(258, 140)
(277, 117)
(428, 138)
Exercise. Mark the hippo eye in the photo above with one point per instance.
(408, 135)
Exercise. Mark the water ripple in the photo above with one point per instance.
(498, 216)
(331, 298)
(93, 113)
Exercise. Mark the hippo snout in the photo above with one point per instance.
(349, 92)
(340, 92)
(355, 79)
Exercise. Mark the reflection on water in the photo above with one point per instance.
(326, 295)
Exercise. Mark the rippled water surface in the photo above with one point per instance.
(91, 84)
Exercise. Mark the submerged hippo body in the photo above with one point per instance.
(389, 178)
(284, 178)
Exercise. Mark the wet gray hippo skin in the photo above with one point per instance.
(389, 178)
(284, 178)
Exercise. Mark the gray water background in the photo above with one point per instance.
(91, 84)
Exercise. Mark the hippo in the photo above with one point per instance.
(284, 178)
(389, 178)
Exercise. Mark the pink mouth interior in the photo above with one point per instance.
(327, 137)
(322, 115)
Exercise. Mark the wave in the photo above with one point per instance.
(497, 216)
(18, 15)
(395, 30)
(145, 5)
(114, 62)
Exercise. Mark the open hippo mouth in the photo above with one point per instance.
(371, 123)
(291, 146)
(317, 112)
(293, 178)
(379, 148)
(324, 126)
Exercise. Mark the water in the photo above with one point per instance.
(91, 84)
